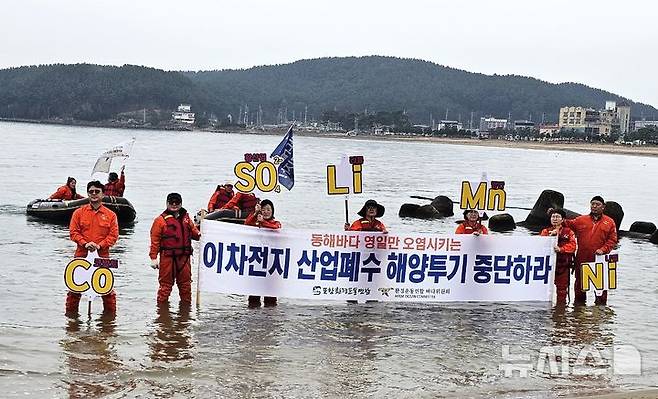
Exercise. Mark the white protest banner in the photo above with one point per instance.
(345, 177)
(311, 264)
(121, 150)
(91, 276)
(600, 274)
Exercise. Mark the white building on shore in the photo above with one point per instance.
(183, 114)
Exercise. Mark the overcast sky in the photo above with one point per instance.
(610, 45)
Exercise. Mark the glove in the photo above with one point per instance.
(154, 264)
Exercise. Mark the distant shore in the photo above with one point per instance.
(604, 148)
(640, 394)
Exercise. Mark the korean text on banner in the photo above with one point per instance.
(313, 264)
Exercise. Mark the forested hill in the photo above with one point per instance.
(389, 84)
(92, 92)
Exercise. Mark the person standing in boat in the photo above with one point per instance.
(596, 234)
(115, 185)
(472, 224)
(222, 195)
(67, 192)
(241, 205)
(263, 216)
(94, 228)
(368, 222)
(565, 250)
(172, 233)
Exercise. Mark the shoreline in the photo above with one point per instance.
(639, 394)
(602, 148)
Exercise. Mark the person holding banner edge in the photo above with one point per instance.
(368, 222)
(263, 216)
(172, 233)
(564, 249)
(93, 227)
(472, 224)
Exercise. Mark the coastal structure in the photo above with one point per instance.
(490, 124)
(615, 118)
(183, 114)
(642, 124)
(449, 125)
(524, 125)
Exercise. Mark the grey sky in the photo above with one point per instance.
(604, 44)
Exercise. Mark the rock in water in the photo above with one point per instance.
(643, 227)
(502, 222)
(654, 237)
(427, 212)
(538, 216)
(443, 204)
(615, 211)
(408, 210)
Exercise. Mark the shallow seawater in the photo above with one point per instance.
(303, 348)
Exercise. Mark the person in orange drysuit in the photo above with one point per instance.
(565, 249)
(115, 185)
(222, 195)
(240, 206)
(172, 233)
(368, 222)
(263, 216)
(472, 224)
(596, 234)
(93, 227)
(67, 191)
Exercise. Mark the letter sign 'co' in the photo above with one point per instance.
(263, 176)
(80, 278)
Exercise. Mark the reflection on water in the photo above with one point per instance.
(91, 359)
(172, 338)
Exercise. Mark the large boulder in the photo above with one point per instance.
(538, 217)
(408, 210)
(502, 222)
(443, 204)
(427, 212)
(615, 211)
(643, 227)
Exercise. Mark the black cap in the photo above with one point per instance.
(174, 197)
(597, 198)
(113, 176)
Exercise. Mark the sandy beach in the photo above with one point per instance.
(647, 150)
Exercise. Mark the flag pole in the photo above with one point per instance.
(89, 308)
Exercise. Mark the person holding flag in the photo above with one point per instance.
(115, 185)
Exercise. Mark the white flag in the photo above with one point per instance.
(121, 150)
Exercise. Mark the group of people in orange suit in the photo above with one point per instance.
(94, 227)
(579, 240)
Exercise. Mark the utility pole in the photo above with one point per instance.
(470, 123)
(305, 113)
(446, 118)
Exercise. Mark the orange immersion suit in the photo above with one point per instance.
(566, 241)
(99, 226)
(171, 237)
(364, 224)
(252, 220)
(470, 228)
(592, 234)
(65, 193)
(115, 188)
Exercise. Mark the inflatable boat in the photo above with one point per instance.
(61, 211)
